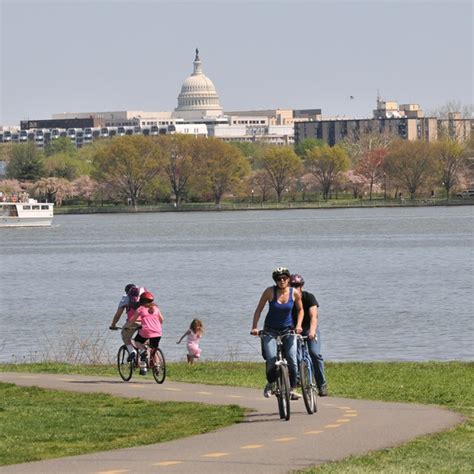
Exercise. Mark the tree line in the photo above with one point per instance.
(182, 168)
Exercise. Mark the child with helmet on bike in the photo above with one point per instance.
(281, 299)
(151, 321)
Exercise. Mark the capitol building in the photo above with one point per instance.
(198, 98)
(199, 112)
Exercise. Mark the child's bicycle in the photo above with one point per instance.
(154, 360)
(307, 377)
(281, 386)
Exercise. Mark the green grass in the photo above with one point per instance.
(448, 384)
(40, 424)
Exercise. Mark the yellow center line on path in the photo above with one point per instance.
(167, 463)
(351, 414)
(235, 396)
(137, 385)
(252, 446)
(343, 420)
(284, 440)
(67, 380)
(215, 455)
(332, 426)
(351, 411)
(171, 389)
(28, 376)
(204, 393)
(312, 432)
(345, 408)
(116, 471)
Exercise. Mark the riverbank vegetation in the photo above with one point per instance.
(448, 384)
(173, 172)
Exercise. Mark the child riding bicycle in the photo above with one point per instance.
(151, 321)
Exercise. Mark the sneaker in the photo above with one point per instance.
(142, 370)
(143, 356)
(294, 395)
(323, 390)
(267, 391)
(131, 356)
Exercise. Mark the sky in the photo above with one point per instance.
(104, 55)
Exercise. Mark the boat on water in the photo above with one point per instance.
(30, 213)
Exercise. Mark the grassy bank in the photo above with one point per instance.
(446, 384)
(40, 424)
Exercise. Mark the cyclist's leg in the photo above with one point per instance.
(289, 344)
(270, 348)
(318, 361)
(127, 333)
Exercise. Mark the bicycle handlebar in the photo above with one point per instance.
(262, 333)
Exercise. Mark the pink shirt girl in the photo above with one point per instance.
(151, 321)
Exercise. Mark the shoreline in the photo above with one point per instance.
(206, 207)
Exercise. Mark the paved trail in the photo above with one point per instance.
(261, 444)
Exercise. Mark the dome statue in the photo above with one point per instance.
(198, 97)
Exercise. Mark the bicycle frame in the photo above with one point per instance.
(307, 376)
(281, 386)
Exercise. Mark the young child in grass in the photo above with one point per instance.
(194, 333)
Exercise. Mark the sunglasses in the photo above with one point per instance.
(282, 278)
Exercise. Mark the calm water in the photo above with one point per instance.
(393, 284)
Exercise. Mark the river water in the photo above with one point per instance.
(392, 283)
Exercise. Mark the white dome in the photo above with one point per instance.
(198, 94)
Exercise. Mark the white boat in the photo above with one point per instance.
(30, 213)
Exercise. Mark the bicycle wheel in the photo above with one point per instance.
(158, 365)
(124, 367)
(283, 392)
(308, 387)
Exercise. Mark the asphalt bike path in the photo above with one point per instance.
(262, 443)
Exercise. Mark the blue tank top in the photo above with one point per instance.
(279, 315)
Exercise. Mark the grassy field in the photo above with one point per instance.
(40, 424)
(446, 384)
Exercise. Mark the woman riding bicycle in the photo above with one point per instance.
(280, 298)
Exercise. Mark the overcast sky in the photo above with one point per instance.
(101, 55)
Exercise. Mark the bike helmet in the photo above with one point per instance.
(296, 280)
(129, 287)
(146, 297)
(280, 271)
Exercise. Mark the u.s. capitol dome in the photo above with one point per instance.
(198, 97)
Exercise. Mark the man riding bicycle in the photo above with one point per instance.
(129, 303)
(281, 299)
(310, 326)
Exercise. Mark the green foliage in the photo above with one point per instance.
(306, 145)
(411, 164)
(451, 158)
(253, 151)
(61, 145)
(41, 424)
(281, 164)
(178, 163)
(221, 167)
(128, 164)
(26, 163)
(326, 164)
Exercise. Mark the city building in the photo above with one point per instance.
(406, 121)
